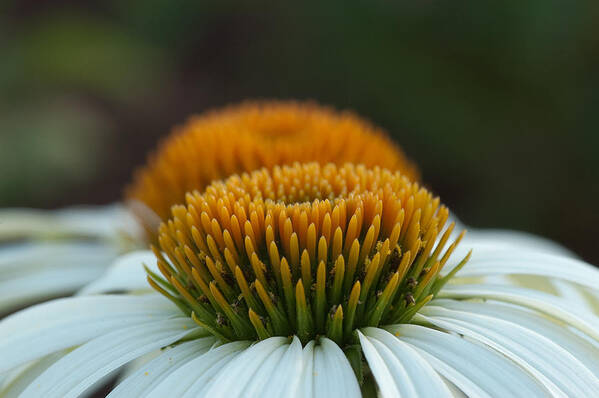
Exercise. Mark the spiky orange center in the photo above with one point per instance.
(253, 135)
(305, 250)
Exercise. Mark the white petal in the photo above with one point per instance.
(474, 369)
(192, 378)
(552, 365)
(43, 284)
(553, 306)
(84, 366)
(284, 380)
(32, 271)
(23, 258)
(133, 366)
(125, 274)
(481, 239)
(307, 381)
(92, 222)
(58, 324)
(390, 375)
(231, 381)
(506, 262)
(563, 336)
(151, 374)
(333, 374)
(398, 369)
(23, 377)
(574, 294)
(453, 389)
(262, 376)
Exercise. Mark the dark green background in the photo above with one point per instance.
(496, 101)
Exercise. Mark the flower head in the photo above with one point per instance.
(511, 322)
(253, 135)
(305, 249)
(211, 146)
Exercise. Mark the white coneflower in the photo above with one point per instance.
(317, 281)
(211, 146)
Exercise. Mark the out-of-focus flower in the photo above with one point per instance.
(37, 247)
(317, 281)
(250, 136)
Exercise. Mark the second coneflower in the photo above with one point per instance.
(250, 136)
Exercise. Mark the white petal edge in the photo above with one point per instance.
(398, 369)
(480, 239)
(333, 374)
(87, 364)
(549, 363)
(476, 370)
(232, 379)
(34, 271)
(581, 348)
(63, 323)
(126, 273)
(285, 379)
(152, 373)
(307, 381)
(17, 259)
(192, 378)
(44, 284)
(510, 262)
(575, 294)
(25, 376)
(262, 377)
(550, 305)
(86, 221)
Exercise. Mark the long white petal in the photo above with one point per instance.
(125, 274)
(557, 333)
(232, 380)
(44, 284)
(476, 370)
(574, 294)
(30, 271)
(481, 239)
(398, 369)
(306, 386)
(23, 377)
(18, 259)
(150, 375)
(514, 262)
(59, 324)
(333, 374)
(90, 221)
(390, 375)
(552, 365)
(192, 378)
(284, 380)
(261, 378)
(93, 360)
(553, 306)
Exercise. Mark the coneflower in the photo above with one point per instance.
(40, 252)
(304, 250)
(311, 280)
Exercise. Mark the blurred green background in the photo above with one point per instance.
(496, 101)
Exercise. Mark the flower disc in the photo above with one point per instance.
(250, 136)
(303, 250)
